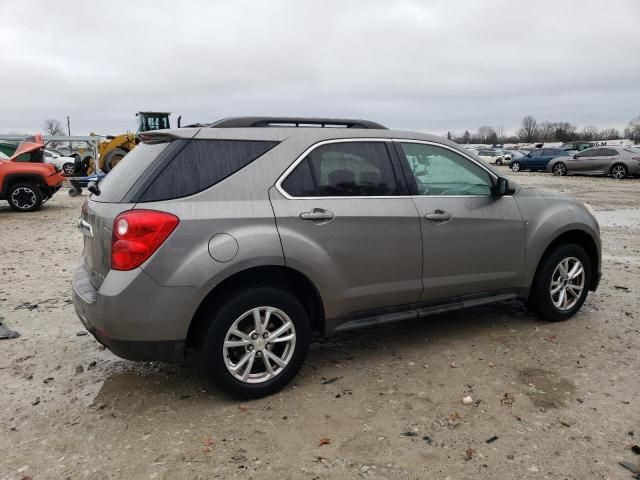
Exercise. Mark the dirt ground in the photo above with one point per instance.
(563, 399)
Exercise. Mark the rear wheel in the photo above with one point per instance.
(559, 169)
(256, 342)
(499, 161)
(515, 166)
(112, 158)
(561, 284)
(618, 171)
(25, 197)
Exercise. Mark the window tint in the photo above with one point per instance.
(349, 169)
(609, 152)
(200, 165)
(440, 171)
(592, 152)
(535, 153)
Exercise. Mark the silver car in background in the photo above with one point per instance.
(617, 162)
(240, 238)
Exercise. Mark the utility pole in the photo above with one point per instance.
(69, 133)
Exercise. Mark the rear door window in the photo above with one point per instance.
(344, 169)
(200, 164)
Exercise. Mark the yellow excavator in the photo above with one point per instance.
(111, 150)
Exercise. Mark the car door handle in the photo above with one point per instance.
(438, 216)
(317, 214)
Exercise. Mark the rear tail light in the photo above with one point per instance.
(137, 234)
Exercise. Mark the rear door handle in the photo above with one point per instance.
(438, 216)
(318, 214)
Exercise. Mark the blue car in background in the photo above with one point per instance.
(537, 159)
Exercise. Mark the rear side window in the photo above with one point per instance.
(348, 169)
(200, 165)
(115, 186)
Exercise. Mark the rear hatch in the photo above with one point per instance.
(101, 210)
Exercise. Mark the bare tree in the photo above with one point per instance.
(53, 127)
(609, 134)
(590, 132)
(547, 131)
(565, 132)
(633, 130)
(466, 137)
(529, 130)
(485, 133)
(500, 134)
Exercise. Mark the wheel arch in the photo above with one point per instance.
(14, 178)
(272, 275)
(578, 237)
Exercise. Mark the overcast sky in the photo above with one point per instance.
(434, 66)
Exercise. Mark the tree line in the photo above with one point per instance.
(532, 131)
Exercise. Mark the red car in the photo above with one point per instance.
(27, 185)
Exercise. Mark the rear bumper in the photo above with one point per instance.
(135, 317)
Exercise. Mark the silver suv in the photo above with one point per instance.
(243, 237)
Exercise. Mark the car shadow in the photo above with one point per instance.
(143, 386)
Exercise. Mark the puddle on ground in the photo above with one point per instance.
(619, 218)
(546, 389)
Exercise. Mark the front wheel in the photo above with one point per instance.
(25, 197)
(515, 166)
(618, 171)
(561, 283)
(559, 169)
(256, 342)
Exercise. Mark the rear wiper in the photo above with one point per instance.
(93, 188)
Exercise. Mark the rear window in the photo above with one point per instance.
(201, 164)
(115, 186)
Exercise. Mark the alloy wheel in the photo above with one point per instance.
(567, 283)
(618, 172)
(259, 344)
(24, 198)
(515, 166)
(559, 169)
(68, 168)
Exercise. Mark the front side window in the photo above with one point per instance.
(440, 171)
(592, 152)
(345, 169)
(609, 152)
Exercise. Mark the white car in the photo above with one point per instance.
(492, 156)
(66, 164)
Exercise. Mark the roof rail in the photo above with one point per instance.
(249, 122)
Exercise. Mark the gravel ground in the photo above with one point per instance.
(561, 398)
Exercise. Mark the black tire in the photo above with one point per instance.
(112, 158)
(559, 169)
(499, 162)
(69, 168)
(222, 317)
(75, 191)
(619, 171)
(25, 197)
(515, 166)
(540, 302)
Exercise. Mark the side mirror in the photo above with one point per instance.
(500, 188)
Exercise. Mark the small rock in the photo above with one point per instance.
(81, 333)
(36, 401)
(533, 469)
(79, 369)
(467, 400)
